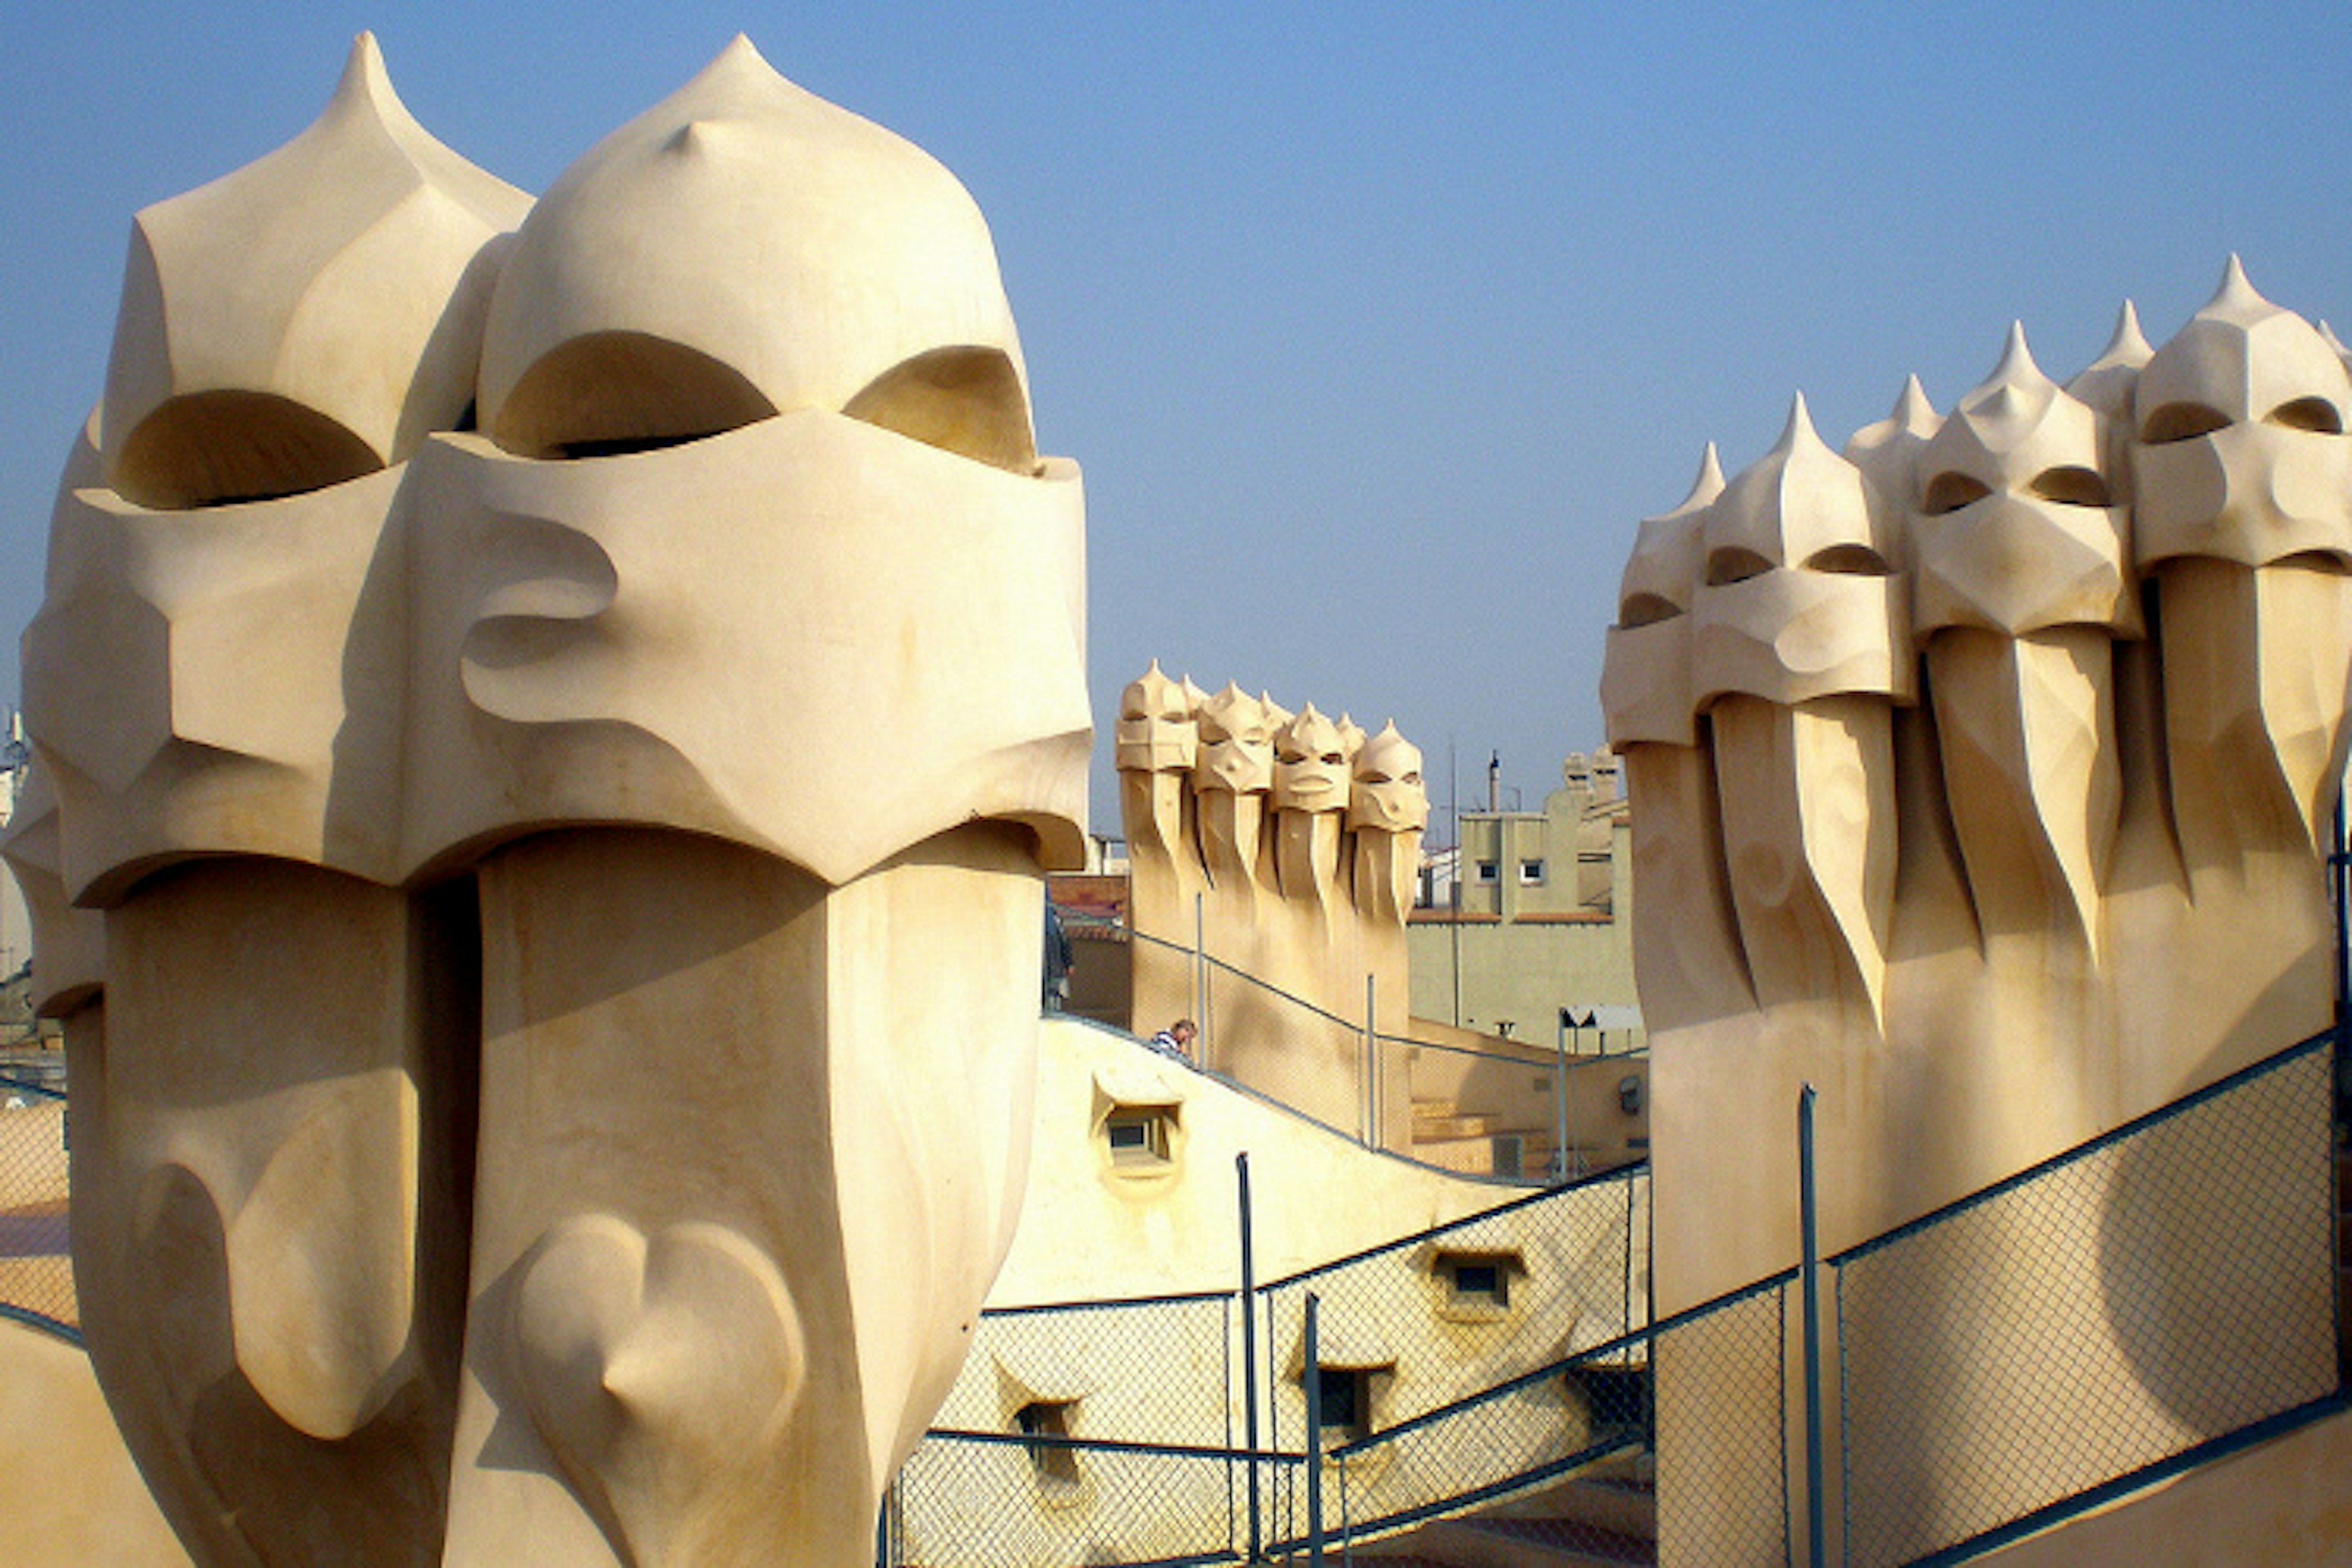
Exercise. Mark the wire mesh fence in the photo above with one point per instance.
(1722, 1391)
(2152, 1291)
(1117, 1430)
(1161, 1369)
(993, 1500)
(1431, 1319)
(1519, 1434)
(36, 1282)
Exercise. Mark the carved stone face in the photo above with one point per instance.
(1645, 680)
(1310, 765)
(2241, 453)
(1157, 732)
(2016, 527)
(1388, 795)
(1236, 744)
(1797, 597)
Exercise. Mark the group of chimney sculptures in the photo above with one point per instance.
(469, 622)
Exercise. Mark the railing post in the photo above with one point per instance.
(1560, 1107)
(1249, 1354)
(1314, 1437)
(1199, 983)
(1816, 1548)
(1368, 1098)
(2339, 888)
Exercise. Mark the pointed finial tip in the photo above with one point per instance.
(1799, 431)
(365, 86)
(364, 67)
(740, 57)
(2017, 358)
(2236, 289)
(1913, 410)
(1708, 483)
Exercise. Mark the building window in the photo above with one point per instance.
(1476, 1285)
(1140, 1136)
(1488, 871)
(1347, 1395)
(1615, 1398)
(1531, 873)
(1054, 1462)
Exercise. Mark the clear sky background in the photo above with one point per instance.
(1375, 328)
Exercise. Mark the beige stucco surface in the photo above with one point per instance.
(83, 1502)
(2284, 1504)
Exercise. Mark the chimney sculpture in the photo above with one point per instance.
(548, 723)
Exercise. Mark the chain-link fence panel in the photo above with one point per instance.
(1723, 1407)
(1435, 1318)
(1524, 1434)
(2155, 1289)
(36, 1282)
(1159, 1370)
(987, 1500)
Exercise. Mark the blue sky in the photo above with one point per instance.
(1375, 328)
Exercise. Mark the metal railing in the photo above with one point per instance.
(2149, 1301)
(1520, 1323)
(2114, 1314)
(1363, 1083)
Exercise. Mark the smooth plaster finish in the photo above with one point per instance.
(2007, 822)
(548, 723)
(93, 1506)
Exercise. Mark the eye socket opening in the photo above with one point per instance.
(1646, 610)
(1848, 560)
(2315, 415)
(2181, 422)
(608, 394)
(2071, 486)
(228, 447)
(965, 400)
(1949, 492)
(1734, 564)
(2325, 561)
